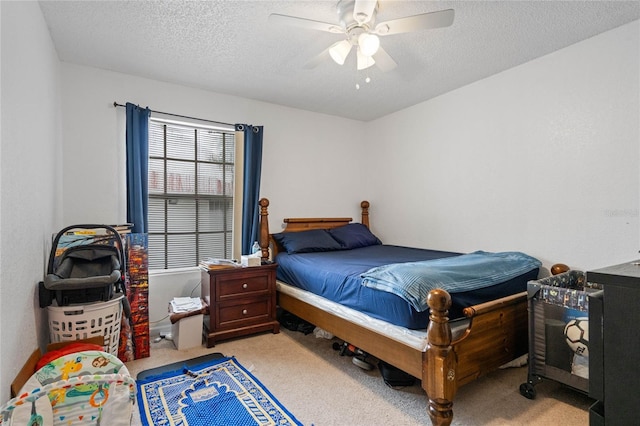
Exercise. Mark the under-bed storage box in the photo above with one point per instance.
(559, 331)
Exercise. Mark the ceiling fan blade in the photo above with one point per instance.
(384, 61)
(305, 23)
(363, 10)
(318, 59)
(424, 21)
(364, 62)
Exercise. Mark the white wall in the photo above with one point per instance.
(542, 158)
(301, 172)
(310, 161)
(30, 183)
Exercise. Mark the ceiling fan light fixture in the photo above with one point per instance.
(358, 22)
(339, 51)
(368, 44)
(364, 61)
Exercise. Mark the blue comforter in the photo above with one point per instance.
(413, 280)
(336, 276)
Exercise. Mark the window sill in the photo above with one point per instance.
(190, 269)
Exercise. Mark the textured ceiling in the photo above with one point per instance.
(230, 47)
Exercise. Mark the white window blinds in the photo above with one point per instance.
(191, 193)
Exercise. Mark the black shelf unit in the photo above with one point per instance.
(614, 376)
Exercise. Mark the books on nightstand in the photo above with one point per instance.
(214, 264)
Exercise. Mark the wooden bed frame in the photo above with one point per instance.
(496, 333)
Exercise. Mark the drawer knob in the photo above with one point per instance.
(245, 285)
(244, 312)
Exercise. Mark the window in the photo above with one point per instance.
(191, 187)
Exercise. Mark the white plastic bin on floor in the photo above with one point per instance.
(76, 322)
(187, 332)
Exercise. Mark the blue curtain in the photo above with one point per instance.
(137, 166)
(251, 188)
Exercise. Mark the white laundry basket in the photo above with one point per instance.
(77, 322)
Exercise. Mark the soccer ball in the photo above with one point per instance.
(577, 334)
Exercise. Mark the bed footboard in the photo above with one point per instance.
(496, 334)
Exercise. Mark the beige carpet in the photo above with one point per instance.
(322, 388)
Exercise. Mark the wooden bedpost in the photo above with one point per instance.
(264, 228)
(365, 213)
(440, 359)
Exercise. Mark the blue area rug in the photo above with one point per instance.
(218, 392)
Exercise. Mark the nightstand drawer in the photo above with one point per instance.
(232, 286)
(245, 313)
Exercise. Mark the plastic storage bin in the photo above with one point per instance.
(187, 332)
(78, 322)
(559, 331)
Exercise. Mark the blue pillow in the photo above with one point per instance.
(313, 240)
(354, 235)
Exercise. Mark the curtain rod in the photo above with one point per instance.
(116, 104)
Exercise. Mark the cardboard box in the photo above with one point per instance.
(29, 367)
(187, 332)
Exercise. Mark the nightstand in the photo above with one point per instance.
(241, 300)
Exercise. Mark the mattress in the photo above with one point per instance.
(335, 276)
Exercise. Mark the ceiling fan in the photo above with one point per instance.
(357, 21)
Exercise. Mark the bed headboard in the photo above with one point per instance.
(297, 224)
